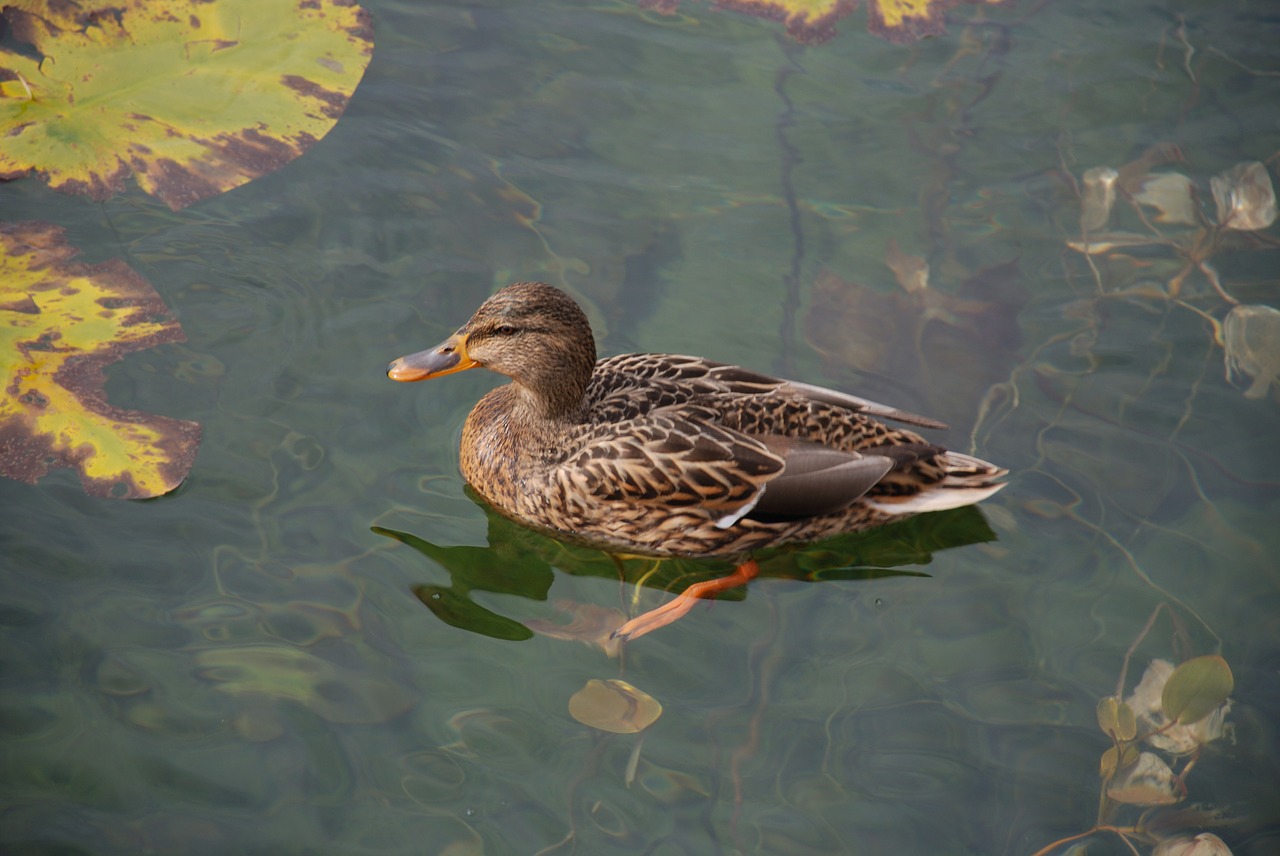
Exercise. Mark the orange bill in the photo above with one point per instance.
(446, 358)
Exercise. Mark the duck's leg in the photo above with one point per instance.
(670, 611)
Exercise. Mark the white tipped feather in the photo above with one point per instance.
(968, 480)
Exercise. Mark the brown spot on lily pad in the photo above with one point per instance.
(54, 411)
(812, 23)
(105, 104)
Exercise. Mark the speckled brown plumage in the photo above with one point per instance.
(677, 455)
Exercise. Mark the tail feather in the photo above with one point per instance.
(967, 480)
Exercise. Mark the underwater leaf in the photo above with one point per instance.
(61, 323)
(912, 272)
(971, 334)
(277, 671)
(1245, 197)
(590, 624)
(1117, 758)
(1109, 241)
(813, 22)
(1204, 844)
(1116, 719)
(193, 98)
(615, 706)
(1170, 194)
(1097, 198)
(1196, 688)
(1251, 336)
(1147, 782)
(1147, 702)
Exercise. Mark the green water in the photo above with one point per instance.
(244, 666)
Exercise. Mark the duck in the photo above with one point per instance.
(674, 455)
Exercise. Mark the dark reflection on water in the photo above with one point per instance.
(243, 666)
(520, 561)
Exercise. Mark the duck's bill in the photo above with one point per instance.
(446, 358)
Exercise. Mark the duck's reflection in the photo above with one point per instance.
(521, 561)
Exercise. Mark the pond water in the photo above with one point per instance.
(309, 646)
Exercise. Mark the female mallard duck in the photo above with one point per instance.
(675, 455)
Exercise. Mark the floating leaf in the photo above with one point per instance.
(1170, 194)
(1245, 197)
(1116, 719)
(1204, 844)
(1251, 335)
(614, 705)
(1097, 198)
(1147, 782)
(193, 98)
(61, 322)
(1196, 688)
(814, 21)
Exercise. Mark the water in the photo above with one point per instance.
(244, 666)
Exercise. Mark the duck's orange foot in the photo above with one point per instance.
(669, 612)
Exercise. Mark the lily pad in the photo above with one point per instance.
(813, 22)
(615, 706)
(61, 322)
(193, 98)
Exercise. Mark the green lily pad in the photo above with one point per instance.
(192, 98)
(61, 323)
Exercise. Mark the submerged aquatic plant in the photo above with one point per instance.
(1158, 732)
(1245, 203)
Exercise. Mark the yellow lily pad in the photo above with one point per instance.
(192, 98)
(813, 22)
(614, 705)
(61, 322)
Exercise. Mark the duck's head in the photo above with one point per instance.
(532, 333)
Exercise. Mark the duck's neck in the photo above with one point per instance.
(554, 388)
(561, 401)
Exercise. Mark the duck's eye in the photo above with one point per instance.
(505, 330)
